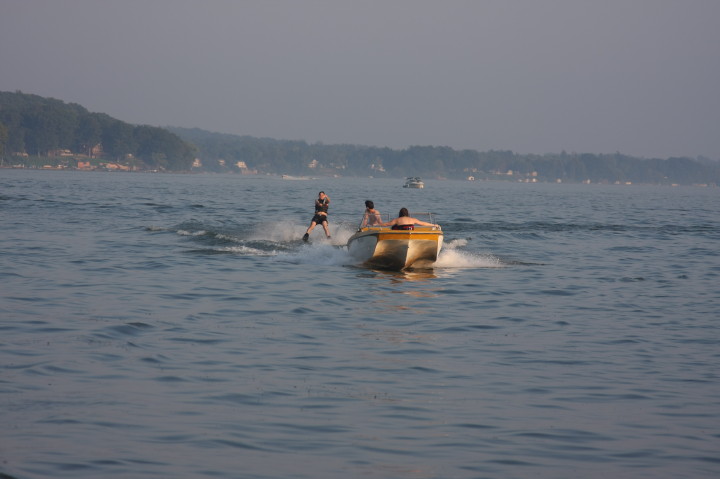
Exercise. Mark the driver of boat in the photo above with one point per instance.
(371, 216)
(405, 222)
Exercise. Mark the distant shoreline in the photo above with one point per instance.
(290, 177)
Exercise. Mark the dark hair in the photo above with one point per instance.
(404, 212)
(370, 204)
(321, 193)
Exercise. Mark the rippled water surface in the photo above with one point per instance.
(177, 326)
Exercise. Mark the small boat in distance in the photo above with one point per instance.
(413, 182)
(290, 177)
(392, 249)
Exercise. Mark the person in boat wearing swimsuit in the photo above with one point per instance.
(405, 222)
(322, 203)
(371, 216)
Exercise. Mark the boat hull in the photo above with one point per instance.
(414, 182)
(382, 247)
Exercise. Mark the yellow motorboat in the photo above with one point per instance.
(397, 249)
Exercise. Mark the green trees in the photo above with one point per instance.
(88, 134)
(49, 126)
(40, 126)
(3, 139)
(161, 149)
(300, 158)
(117, 138)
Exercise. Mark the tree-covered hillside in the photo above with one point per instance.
(38, 131)
(223, 152)
(35, 126)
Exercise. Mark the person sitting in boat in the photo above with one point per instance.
(371, 216)
(405, 222)
(322, 203)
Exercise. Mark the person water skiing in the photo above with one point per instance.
(322, 203)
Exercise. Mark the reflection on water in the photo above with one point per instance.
(407, 275)
(401, 291)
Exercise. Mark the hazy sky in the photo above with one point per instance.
(534, 76)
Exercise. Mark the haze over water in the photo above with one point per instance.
(176, 326)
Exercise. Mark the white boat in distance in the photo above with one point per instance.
(397, 249)
(413, 182)
(290, 177)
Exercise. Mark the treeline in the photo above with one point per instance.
(222, 152)
(40, 127)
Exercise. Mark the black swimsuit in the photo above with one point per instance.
(318, 218)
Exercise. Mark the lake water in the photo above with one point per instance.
(158, 325)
